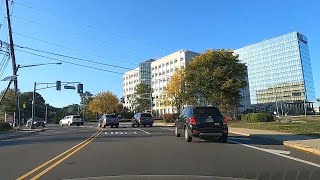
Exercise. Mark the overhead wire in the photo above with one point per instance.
(5, 66)
(92, 27)
(79, 35)
(68, 62)
(71, 57)
(75, 50)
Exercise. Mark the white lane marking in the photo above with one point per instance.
(143, 131)
(278, 154)
(120, 132)
(240, 138)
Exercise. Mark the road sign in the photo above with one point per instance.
(69, 87)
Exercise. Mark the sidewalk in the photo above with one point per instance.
(17, 134)
(301, 142)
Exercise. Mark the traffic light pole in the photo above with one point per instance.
(33, 104)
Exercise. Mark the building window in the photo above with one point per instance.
(159, 66)
(162, 64)
(167, 63)
(171, 62)
(175, 61)
(168, 71)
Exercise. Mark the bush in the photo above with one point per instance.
(5, 126)
(257, 117)
(170, 118)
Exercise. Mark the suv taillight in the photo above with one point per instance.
(192, 120)
(225, 121)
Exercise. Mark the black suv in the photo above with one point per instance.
(203, 122)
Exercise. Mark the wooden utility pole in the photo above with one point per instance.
(14, 65)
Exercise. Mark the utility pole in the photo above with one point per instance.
(46, 117)
(33, 104)
(14, 65)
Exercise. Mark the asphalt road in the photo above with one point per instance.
(148, 153)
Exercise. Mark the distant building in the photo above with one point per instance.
(130, 80)
(279, 71)
(162, 70)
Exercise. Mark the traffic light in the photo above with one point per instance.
(58, 85)
(80, 88)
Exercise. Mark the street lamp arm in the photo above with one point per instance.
(32, 65)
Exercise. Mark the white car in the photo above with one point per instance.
(71, 120)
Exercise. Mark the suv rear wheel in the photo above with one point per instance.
(187, 136)
(69, 123)
(224, 138)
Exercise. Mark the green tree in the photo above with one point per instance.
(217, 76)
(141, 103)
(175, 92)
(105, 102)
(86, 98)
(26, 105)
(8, 103)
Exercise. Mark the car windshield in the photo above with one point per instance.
(146, 115)
(202, 113)
(111, 116)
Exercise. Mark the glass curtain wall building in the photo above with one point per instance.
(145, 72)
(279, 69)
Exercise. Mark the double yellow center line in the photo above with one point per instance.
(59, 159)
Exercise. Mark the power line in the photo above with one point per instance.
(75, 50)
(70, 57)
(77, 34)
(69, 62)
(93, 27)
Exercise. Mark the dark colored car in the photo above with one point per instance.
(142, 119)
(203, 122)
(109, 120)
(37, 122)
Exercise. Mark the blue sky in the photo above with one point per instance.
(126, 32)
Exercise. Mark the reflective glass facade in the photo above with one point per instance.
(145, 72)
(279, 69)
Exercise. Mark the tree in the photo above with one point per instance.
(174, 93)
(105, 102)
(217, 76)
(141, 94)
(86, 98)
(8, 103)
(26, 105)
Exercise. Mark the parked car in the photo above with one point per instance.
(142, 119)
(71, 120)
(203, 122)
(37, 122)
(109, 120)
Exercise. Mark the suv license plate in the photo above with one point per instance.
(209, 120)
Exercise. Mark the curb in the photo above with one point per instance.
(21, 135)
(302, 147)
(243, 134)
(291, 144)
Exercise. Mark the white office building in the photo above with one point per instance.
(130, 80)
(161, 71)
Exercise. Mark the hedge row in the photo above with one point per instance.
(257, 117)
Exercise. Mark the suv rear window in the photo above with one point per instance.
(202, 113)
(111, 116)
(146, 115)
(76, 116)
